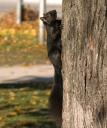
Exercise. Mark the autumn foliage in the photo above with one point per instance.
(19, 43)
(29, 25)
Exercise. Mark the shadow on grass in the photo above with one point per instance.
(33, 118)
(28, 81)
(41, 112)
(6, 106)
(44, 120)
(33, 125)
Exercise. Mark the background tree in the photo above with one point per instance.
(84, 40)
(19, 11)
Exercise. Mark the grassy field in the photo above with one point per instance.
(25, 106)
(19, 44)
(21, 50)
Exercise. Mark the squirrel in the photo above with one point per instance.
(54, 47)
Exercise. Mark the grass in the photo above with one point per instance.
(19, 45)
(25, 106)
(23, 50)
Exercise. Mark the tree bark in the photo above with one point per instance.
(84, 61)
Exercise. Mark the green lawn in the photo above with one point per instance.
(25, 106)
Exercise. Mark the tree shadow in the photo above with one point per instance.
(43, 116)
(34, 125)
(28, 81)
(40, 112)
(7, 106)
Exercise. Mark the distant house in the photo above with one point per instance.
(51, 4)
(6, 5)
(57, 2)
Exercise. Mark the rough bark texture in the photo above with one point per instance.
(84, 57)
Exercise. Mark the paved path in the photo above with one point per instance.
(17, 74)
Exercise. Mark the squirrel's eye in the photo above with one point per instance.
(47, 16)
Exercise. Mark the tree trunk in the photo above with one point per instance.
(84, 58)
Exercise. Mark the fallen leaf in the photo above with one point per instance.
(12, 114)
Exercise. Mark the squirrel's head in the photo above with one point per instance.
(49, 17)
